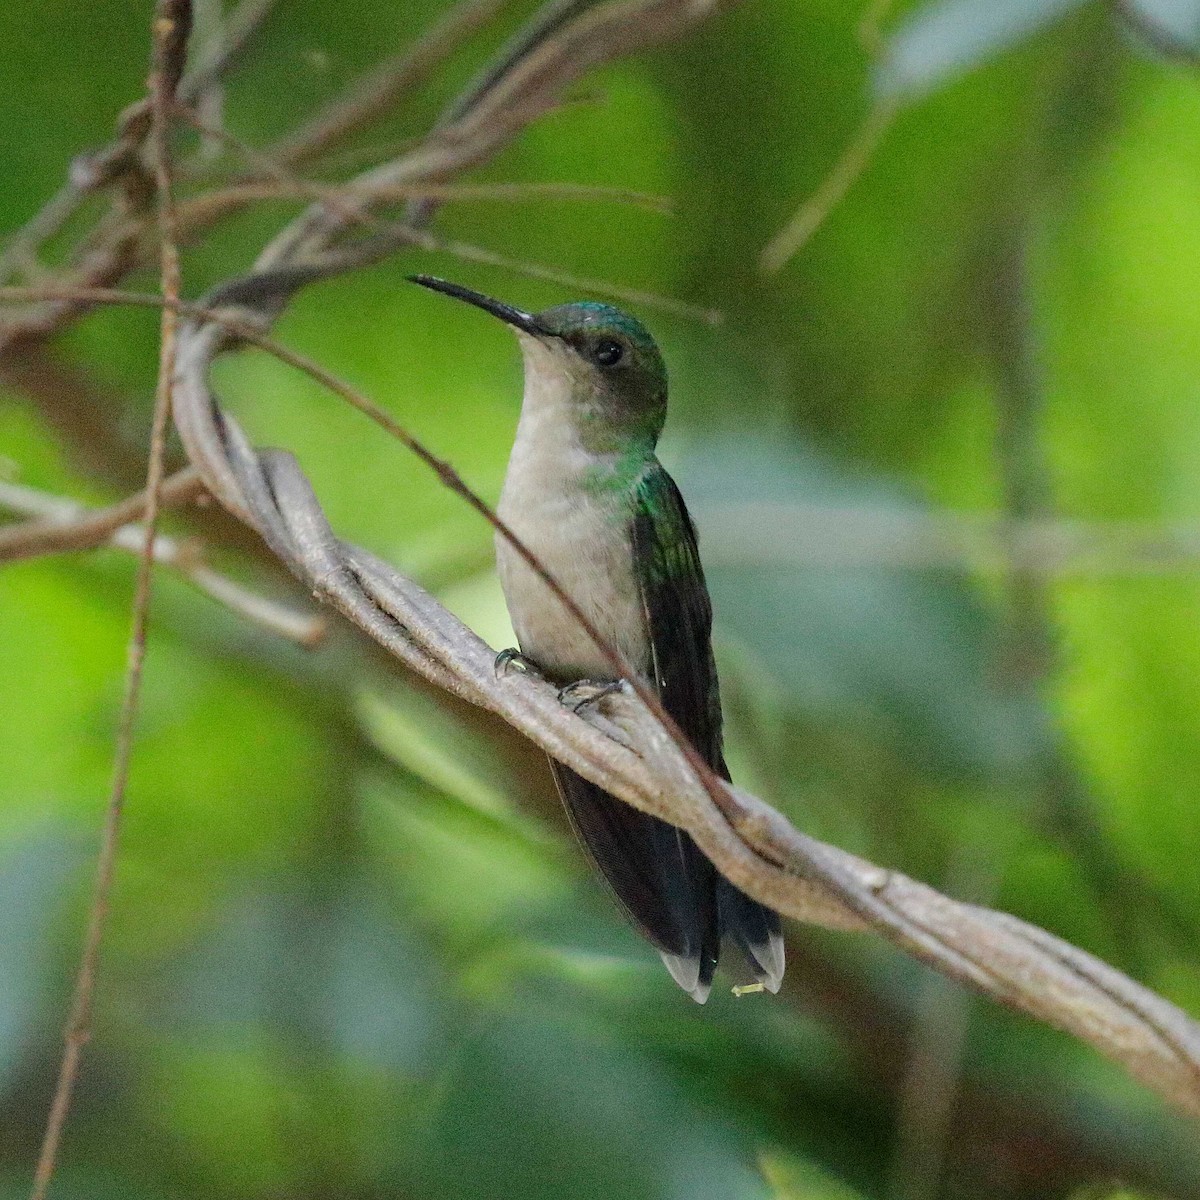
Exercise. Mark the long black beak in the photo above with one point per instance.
(511, 316)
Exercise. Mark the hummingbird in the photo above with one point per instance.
(586, 494)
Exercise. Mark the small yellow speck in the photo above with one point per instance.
(747, 989)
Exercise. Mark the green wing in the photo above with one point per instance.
(679, 620)
(678, 612)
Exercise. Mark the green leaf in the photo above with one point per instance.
(943, 40)
(543, 1106)
(1167, 24)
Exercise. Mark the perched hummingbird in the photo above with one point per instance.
(585, 492)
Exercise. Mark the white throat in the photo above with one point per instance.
(551, 503)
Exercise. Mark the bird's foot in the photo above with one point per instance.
(513, 659)
(585, 692)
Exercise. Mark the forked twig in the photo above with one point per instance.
(93, 171)
(64, 525)
(61, 526)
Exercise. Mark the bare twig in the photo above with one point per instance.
(385, 84)
(111, 251)
(353, 205)
(208, 38)
(62, 526)
(851, 164)
(599, 287)
(215, 60)
(93, 171)
(555, 52)
(346, 201)
(231, 199)
(20, 253)
(813, 213)
(65, 525)
(169, 35)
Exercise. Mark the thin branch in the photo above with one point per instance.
(851, 164)
(200, 209)
(66, 526)
(208, 38)
(555, 53)
(347, 202)
(93, 171)
(63, 526)
(20, 252)
(215, 61)
(844, 174)
(378, 90)
(170, 27)
(600, 287)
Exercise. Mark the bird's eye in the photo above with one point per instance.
(608, 353)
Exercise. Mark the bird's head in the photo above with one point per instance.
(598, 363)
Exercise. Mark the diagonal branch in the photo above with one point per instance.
(62, 526)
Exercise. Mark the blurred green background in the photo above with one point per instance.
(354, 951)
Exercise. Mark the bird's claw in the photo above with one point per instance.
(512, 657)
(585, 692)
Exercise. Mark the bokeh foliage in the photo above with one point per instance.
(353, 949)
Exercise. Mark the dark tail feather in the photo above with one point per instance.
(659, 877)
(756, 931)
(669, 890)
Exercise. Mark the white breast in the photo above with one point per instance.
(581, 537)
